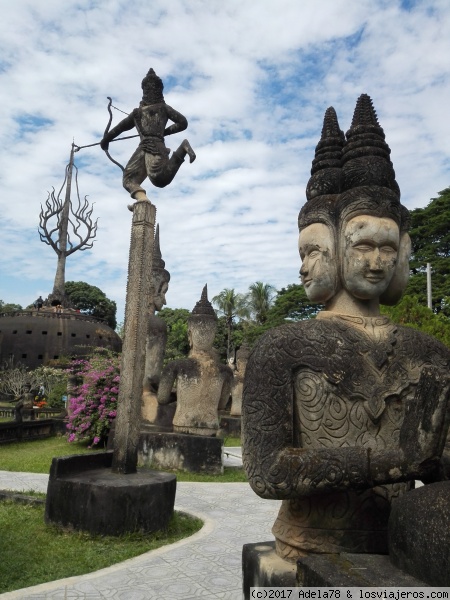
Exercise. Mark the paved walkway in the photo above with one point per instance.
(206, 565)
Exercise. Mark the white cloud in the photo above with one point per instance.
(253, 79)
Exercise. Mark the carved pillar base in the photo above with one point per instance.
(135, 333)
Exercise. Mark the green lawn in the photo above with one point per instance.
(229, 442)
(36, 457)
(54, 554)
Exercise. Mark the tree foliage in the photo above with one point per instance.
(54, 382)
(177, 335)
(411, 312)
(430, 237)
(267, 309)
(292, 304)
(16, 381)
(259, 300)
(90, 300)
(6, 307)
(93, 403)
(230, 306)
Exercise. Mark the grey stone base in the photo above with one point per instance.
(352, 570)
(13, 431)
(419, 533)
(180, 451)
(261, 567)
(230, 425)
(84, 494)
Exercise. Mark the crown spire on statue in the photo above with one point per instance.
(326, 167)
(366, 155)
(152, 87)
(158, 262)
(204, 308)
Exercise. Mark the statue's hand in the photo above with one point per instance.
(424, 428)
(104, 144)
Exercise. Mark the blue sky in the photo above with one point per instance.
(253, 79)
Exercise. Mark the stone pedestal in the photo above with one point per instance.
(352, 570)
(419, 533)
(262, 567)
(180, 451)
(84, 494)
(229, 426)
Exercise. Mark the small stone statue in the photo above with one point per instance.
(202, 381)
(151, 159)
(238, 380)
(343, 412)
(156, 334)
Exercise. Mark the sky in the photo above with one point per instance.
(254, 79)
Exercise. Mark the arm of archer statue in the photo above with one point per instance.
(179, 121)
(124, 125)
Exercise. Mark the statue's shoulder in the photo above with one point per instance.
(309, 329)
(182, 366)
(225, 370)
(422, 344)
(291, 342)
(156, 324)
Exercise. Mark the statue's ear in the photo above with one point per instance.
(400, 278)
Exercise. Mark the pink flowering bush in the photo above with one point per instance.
(93, 404)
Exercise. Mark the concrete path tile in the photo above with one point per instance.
(206, 565)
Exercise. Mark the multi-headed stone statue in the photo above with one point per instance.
(202, 381)
(156, 333)
(341, 413)
(151, 159)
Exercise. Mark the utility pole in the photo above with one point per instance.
(429, 295)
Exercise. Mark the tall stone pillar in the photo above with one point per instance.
(127, 426)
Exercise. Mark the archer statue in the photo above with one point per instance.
(151, 158)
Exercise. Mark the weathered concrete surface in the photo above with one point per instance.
(184, 452)
(262, 567)
(229, 425)
(84, 494)
(352, 570)
(419, 533)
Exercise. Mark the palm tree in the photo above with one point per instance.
(231, 306)
(259, 299)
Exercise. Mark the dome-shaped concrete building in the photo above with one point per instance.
(34, 337)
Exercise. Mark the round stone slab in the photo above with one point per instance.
(84, 494)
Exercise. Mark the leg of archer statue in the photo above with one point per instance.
(161, 170)
(134, 174)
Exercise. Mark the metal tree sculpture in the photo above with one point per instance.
(56, 233)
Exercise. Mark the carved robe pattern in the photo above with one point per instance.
(319, 396)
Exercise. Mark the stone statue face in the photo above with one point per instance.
(370, 248)
(401, 276)
(319, 270)
(159, 298)
(201, 334)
